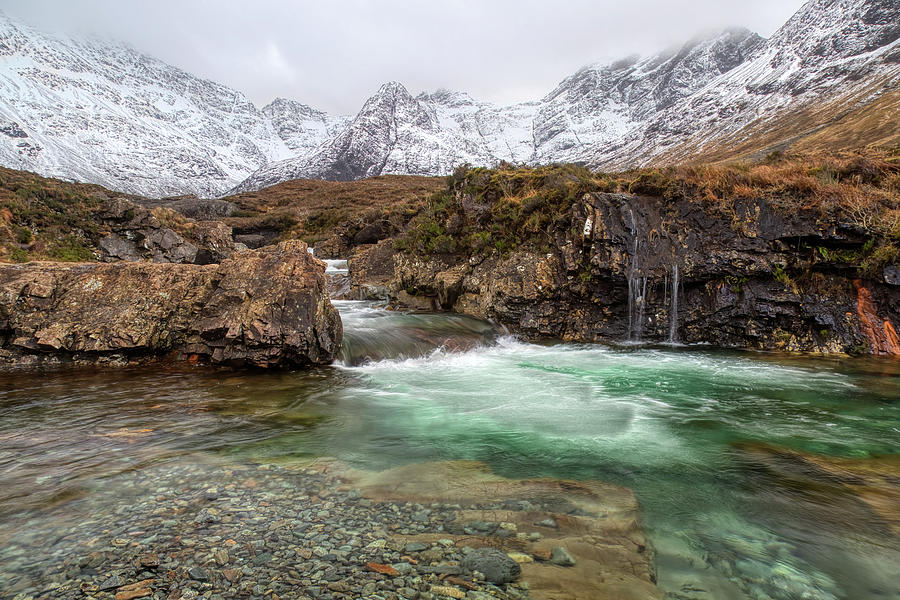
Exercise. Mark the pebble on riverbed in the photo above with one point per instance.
(212, 533)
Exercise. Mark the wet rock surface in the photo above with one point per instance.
(639, 269)
(495, 565)
(265, 308)
(245, 531)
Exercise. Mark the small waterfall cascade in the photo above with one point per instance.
(637, 287)
(337, 275)
(673, 307)
(653, 277)
(372, 334)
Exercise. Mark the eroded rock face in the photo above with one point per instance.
(162, 235)
(264, 308)
(629, 268)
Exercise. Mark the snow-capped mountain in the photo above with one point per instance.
(716, 95)
(397, 133)
(842, 54)
(101, 112)
(602, 103)
(301, 127)
(432, 133)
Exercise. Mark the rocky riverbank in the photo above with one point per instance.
(549, 255)
(265, 308)
(218, 531)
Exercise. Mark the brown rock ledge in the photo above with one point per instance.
(264, 308)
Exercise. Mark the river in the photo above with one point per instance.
(755, 473)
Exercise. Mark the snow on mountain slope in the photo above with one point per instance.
(301, 127)
(103, 113)
(602, 103)
(843, 53)
(505, 132)
(393, 133)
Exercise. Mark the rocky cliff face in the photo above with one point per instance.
(264, 308)
(618, 267)
(131, 232)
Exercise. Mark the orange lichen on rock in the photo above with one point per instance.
(383, 569)
(882, 334)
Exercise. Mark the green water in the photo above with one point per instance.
(716, 445)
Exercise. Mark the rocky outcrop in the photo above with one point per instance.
(266, 308)
(624, 268)
(163, 235)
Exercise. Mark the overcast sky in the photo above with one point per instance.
(333, 54)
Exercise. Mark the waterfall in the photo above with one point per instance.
(641, 302)
(637, 288)
(673, 308)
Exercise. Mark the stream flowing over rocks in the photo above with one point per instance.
(264, 308)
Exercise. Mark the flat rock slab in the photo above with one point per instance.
(596, 524)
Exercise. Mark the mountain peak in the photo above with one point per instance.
(393, 89)
(826, 29)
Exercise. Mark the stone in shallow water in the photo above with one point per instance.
(132, 594)
(496, 566)
(446, 590)
(383, 569)
(520, 558)
(560, 556)
(110, 584)
(416, 547)
(198, 574)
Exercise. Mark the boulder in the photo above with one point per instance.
(266, 308)
(495, 565)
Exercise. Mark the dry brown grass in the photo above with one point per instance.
(862, 184)
(310, 208)
(860, 189)
(843, 124)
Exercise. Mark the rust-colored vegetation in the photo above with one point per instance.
(310, 209)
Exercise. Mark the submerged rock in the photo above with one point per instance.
(266, 308)
(494, 564)
(560, 556)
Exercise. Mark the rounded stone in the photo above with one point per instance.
(496, 566)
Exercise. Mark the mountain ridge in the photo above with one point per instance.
(103, 113)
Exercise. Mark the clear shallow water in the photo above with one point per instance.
(758, 476)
